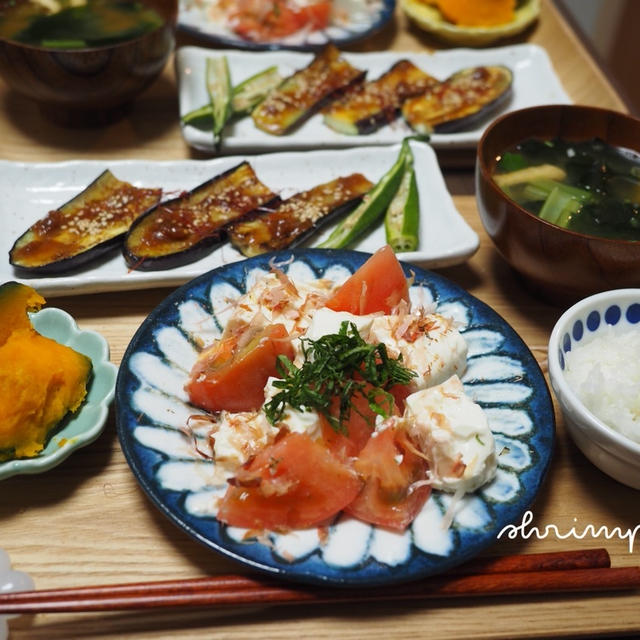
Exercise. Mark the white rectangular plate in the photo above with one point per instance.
(31, 190)
(534, 83)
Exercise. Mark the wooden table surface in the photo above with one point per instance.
(88, 522)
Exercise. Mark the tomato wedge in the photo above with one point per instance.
(378, 285)
(317, 15)
(358, 429)
(293, 483)
(230, 377)
(389, 467)
(400, 392)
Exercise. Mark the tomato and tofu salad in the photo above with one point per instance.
(268, 20)
(328, 399)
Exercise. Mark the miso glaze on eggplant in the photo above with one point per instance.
(84, 228)
(367, 107)
(186, 228)
(291, 221)
(306, 91)
(461, 101)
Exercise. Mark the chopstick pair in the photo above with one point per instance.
(567, 571)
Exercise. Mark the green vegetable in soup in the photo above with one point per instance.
(589, 187)
(510, 162)
(77, 24)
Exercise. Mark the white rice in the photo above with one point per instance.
(605, 374)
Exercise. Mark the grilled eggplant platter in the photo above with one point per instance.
(157, 234)
(234, 205)
(299, 198)
(88, 226)
(342, 99)
(353, 106)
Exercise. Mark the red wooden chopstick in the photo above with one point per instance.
(519, 574)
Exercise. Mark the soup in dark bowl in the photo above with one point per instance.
(559, 263)
(84, 61)
(587, 186)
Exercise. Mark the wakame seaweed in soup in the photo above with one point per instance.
(75, 24)
(589, 186)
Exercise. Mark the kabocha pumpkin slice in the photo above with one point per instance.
(184, 229)
(367, 107)
(41, 381)
(477, 13)
(307, 90)
(293, 220)
(84, 228)
(472, 23)
(461, 101)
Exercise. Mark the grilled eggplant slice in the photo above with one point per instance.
(367, 107)
(184, 229)
(86, 227)
(292, 221)
(464, 99)
(307, 90)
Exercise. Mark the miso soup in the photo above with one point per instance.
(589, 186)
(69, 24)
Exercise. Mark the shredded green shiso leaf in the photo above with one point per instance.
(338, 365)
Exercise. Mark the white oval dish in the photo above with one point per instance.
(534, 82)
(34, 188)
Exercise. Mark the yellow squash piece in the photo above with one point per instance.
(41, 381)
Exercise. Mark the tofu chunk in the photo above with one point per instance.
(429, 343)
(453, 432)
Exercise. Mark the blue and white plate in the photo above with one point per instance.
(354, 20)
(502, 376)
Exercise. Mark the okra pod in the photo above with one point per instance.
(403, 215)
(219, 89)
(253, 90)
(244, 97)
(372, 207)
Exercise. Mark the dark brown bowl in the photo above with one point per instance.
(85, 87)
(559, 264)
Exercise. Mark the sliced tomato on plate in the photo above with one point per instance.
(358, 428)
(390, 467)
(349, 441)
(292, 484)
(400, 393)
(232, 376)
(317, 15)
(260, 20)
(378, 285)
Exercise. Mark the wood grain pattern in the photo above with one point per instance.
(87, 521)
